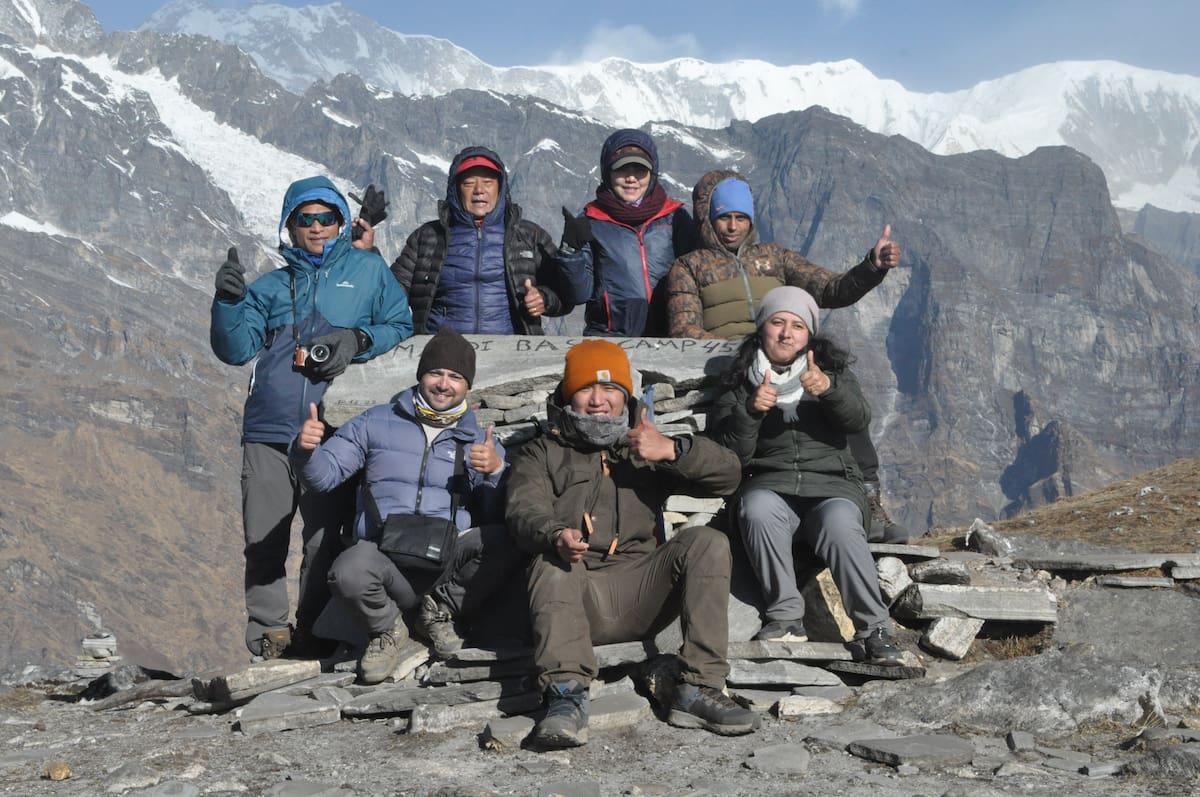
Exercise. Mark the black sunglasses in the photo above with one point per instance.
(326, 218)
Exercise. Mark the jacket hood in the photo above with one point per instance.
(627, 138)
(459, 214)
(702, 199)
(312, 189)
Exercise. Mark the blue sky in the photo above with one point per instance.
(928, 46)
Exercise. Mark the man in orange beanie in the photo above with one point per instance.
(584, 499)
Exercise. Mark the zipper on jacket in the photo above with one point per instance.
(641, 239)
(421, 476)
(746, 285)
(478, 273)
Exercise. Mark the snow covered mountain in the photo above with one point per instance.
(1141, 126)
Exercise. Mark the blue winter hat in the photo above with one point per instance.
(731, 195)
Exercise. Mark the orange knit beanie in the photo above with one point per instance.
(596, 360)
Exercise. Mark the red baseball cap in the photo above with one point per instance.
(477, 160)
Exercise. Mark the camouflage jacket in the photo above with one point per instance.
(714, 293)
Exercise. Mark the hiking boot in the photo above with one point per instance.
(782, 631)
(275, 641)
(565, 723)
(711, 709)
(883, 528)
(382, 655)
(880, 648)
(436, 624)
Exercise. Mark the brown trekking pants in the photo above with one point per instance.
(629, 598)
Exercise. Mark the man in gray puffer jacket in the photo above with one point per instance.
(409, 450)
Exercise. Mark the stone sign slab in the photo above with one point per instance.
(511, 364)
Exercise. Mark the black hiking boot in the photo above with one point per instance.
(883, 528)
(305, 645)
(436, 623)
(782, 631)
(275, 641)
(711, 709)
(880, 648)
(565, 723)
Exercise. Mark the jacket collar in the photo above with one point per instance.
(466, 430)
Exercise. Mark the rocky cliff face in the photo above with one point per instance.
(1028, 350)
(1176, 235)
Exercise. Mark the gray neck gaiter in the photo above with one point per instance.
(602, 431)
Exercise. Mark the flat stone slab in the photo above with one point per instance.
(1185, 572)
(688, 504)
(877, 671)
(779, 673)
(1020, 740)
(1022, 604)
(760, 700)
(779, 759)
(904, 551)
(279, 712)
(570, 788)
(432, 718)
(475, 655)
(798, 706)
(398, 699)
(325, 679)
(941, 571)
(836, 737)
(1106, 563)
(951, 637)
(254, 680)
(442, 673)
(610, 712)
(797, 651)
(834, 693)
(1134, 582)
(513, 364)
(507, 733)
(925, 750)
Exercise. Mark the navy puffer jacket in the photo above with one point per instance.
(473, 277)
(621, 273)
(390, 443)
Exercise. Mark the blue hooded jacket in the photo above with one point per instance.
(621, 273)
(404, 473)
(310, 296)
(472, 291)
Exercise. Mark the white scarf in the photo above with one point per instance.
(787, 382)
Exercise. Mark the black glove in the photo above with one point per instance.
(577, 231)
(231, 278)
(374, 205)
(343, 345)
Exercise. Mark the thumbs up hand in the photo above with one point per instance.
(313, 430)
(484, 457)
(886, 253)
(535, 303)
(231, 278)
(765, 396)
(814, 380)
(649, 444)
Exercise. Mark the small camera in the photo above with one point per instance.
(319, 353)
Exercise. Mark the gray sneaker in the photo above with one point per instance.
(565, 723)
(436, 623)
(782, 631)
(711, 709)
(382, 655)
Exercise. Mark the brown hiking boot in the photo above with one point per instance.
(382, 655)
(275, 641)
(883, 528)
(436, 624)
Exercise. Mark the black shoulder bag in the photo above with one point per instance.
(418, 542)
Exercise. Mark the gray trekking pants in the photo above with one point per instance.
(271, 494)
(832, 528)
(374, 589)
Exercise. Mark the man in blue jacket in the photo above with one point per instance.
(410, 449)
(331, 300)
